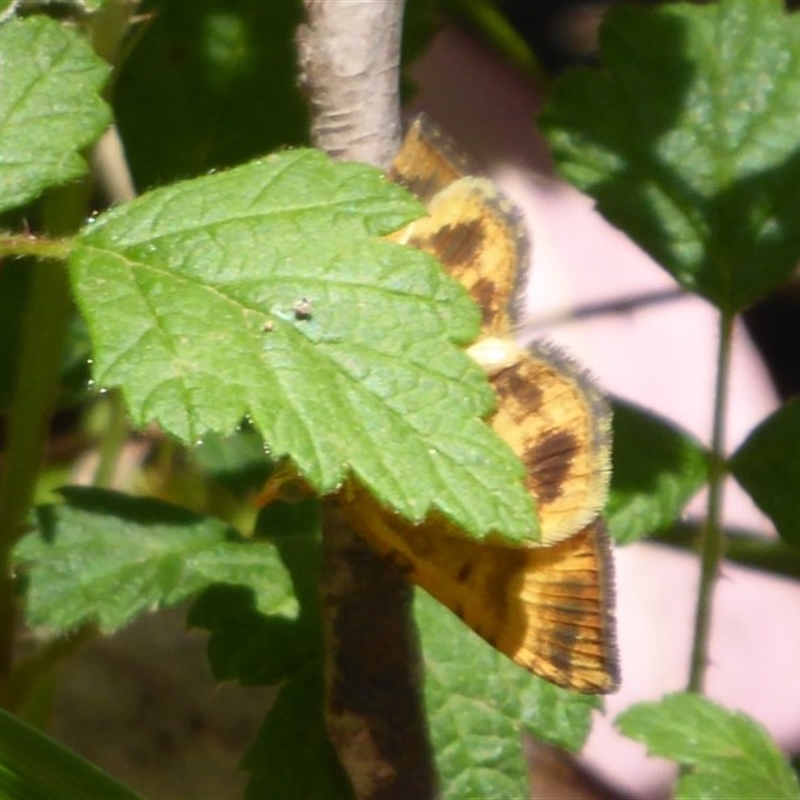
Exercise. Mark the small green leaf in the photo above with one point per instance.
(292, 757)
(104, 557)
(34, 767)
(656, 470)
(191, 294)
(730, 754)
(49, 106)
(766, 465)
(247, 646)
(479, 702)
(687, 140)
(244, 644)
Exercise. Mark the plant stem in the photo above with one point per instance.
(349, 54)
(112, 441)
(19, 244)
(711, 538)
(43, 339)
(44, 331)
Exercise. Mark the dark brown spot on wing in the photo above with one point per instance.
(485, 293)
(548, 464)
(561, 659)
(455, 245)
(464, 572)
(513, 382)
(565, 637)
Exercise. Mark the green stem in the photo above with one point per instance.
(18, 244)
(113, 439)
(711, 538)
(44, 330)
(108, 29)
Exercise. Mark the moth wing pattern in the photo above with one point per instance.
(543, 607)
(548, 606)
(549, 411)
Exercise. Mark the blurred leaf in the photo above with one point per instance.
(74, 6)
(687, 140)
(49, 106)
(105, 558)
(766, 465)
(478, 704)
(487, 19)
(730, 754)
(34, 767)
(191, 295)
(656, 469)
(422, 20)
(209, 84)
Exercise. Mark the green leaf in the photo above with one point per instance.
(656, 469)
(244, 644)
(730, 754)
(191, 296)
(687, 140)
(292, 757)
(34, 767)
(766, 466)
(479, 702)
(49, 106)
(238, 462)
(254, 649)
(105, 558)
(209, 85)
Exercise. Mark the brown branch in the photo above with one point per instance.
(349, 53)
(374, 708)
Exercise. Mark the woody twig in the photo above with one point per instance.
(349, 54)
